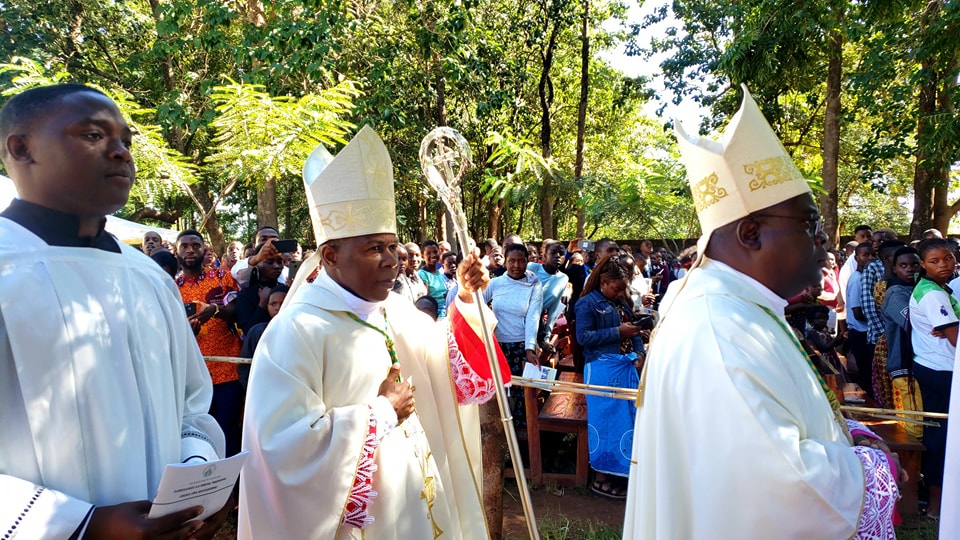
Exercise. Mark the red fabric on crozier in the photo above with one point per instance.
(472, 346)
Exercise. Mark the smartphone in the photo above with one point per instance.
(285, 246)
(191, 308)
(292, 271)
(586, 245)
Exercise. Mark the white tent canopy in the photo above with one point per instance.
(128, 232)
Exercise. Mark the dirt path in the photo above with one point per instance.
(557, 505)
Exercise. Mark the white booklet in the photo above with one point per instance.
(543, 373)
(206, 484)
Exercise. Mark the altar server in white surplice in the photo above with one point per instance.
(101, 381)
(735, 435)
(338, 447)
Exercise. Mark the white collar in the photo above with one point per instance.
(774, 301)
(361, 307)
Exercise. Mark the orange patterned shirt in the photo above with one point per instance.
(215, 337)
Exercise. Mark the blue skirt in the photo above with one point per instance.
(610, 421)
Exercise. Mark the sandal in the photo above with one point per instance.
(609, 489)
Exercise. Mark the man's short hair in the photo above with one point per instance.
(889, 245)
(490, 242)
(906, 250)
(25, 108)
(601, 242)
(886, 233)
(861, 228)
(189, 232)
(429, 243)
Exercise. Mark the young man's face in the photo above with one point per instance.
(274, 303)
(496, 257)
(75, 157)
(234, 250)
(264, 235)
(906, 267)
(863, 258)
(151, 241)
(401, 259)
(863, 236)
(413, 258)
(554, 255)
(271, 268)
(190, 252)
(450, 266)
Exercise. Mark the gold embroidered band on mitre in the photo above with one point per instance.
(706, 192)
(771, 172)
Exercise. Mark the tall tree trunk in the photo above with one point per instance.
(924, 176)
(204, 200)
(545, 91)
(943, 212)
(421, 220)
(925, 172)
(493, 219)
(441, 224)
(267, 204)
(494, 452)
(582, 112)
(831, 138)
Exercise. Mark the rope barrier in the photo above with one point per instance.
(630, 394)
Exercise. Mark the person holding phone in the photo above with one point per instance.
(264, 240)
(614, 353)
(213, 291)
(252, 301)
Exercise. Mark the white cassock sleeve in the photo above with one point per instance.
(32, 511)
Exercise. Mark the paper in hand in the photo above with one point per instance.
(206, 484)
(543, 373)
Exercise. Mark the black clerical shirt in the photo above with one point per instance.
(56, 228)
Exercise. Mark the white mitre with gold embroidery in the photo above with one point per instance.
(746, 171)
(351, 194)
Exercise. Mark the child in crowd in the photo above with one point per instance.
(934, 316)
(895, 311)
(824, 343)
(252, 337)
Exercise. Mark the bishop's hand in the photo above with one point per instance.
(471, 276)
(399, 394)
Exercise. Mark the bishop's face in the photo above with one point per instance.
(364, 265)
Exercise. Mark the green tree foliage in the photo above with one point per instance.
(898, 89)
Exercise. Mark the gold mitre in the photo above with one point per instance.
(351, 194)
(746, 171)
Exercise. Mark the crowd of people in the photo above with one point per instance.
(359, 408)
